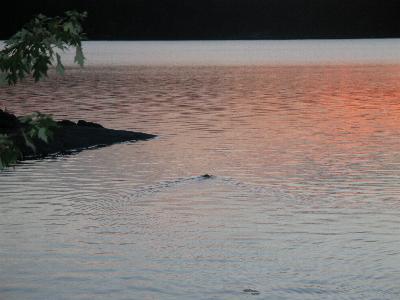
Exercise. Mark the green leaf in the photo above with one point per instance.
(60, 67)
(42, 134)
(28, 142)
(69, 27)
(79, 57)
(25, 119)
(9, 152)
(3, 79)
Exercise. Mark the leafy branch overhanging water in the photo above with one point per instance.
(31, 52)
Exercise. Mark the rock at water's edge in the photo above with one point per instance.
(8, 121)
(68, 137)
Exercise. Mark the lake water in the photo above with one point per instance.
(303, 140)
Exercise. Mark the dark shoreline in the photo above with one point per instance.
(71, 139)
(68, 138)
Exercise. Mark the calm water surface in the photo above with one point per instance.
(305, 202)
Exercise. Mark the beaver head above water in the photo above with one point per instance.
(206, 176)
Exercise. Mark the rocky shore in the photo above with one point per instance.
(68, 136)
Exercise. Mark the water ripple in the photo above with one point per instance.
(304, 201)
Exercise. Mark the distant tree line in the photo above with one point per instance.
(219, 19)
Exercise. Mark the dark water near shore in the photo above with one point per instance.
(304, 203)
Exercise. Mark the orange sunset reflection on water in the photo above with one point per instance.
(303, 201)
(292, 126)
